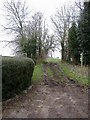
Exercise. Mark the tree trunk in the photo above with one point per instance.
(62, 45)
(40, 47)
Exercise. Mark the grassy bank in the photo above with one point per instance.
(74, 72)
(38, 73)
(50, 73)
(53, 60)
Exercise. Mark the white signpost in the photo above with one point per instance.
(81, 59)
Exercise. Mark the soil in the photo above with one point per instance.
(54, 97)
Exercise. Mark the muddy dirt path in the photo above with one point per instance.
(52, 98)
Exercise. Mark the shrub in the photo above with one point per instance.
(16, 75)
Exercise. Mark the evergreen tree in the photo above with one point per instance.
(84, 32)
(73, 44)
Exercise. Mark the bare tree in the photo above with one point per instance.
(79, 4)
(62, 21)
(49, 44)
(37, 34)
(37, 30)
(48, 41)
(39, 17)
(16, 15)
(33, 32)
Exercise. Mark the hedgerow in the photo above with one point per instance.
(16, 75)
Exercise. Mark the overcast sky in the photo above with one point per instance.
(47, 7)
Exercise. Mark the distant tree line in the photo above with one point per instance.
(71, 31)
(31, 33)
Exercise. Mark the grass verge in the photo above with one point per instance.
(53, 60)
(76, 73)
(38, 73)
(50, 73)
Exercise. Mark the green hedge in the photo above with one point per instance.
(16, 75)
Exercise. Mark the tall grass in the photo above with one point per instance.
(74, 72)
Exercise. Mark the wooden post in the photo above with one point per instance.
(81, 59)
